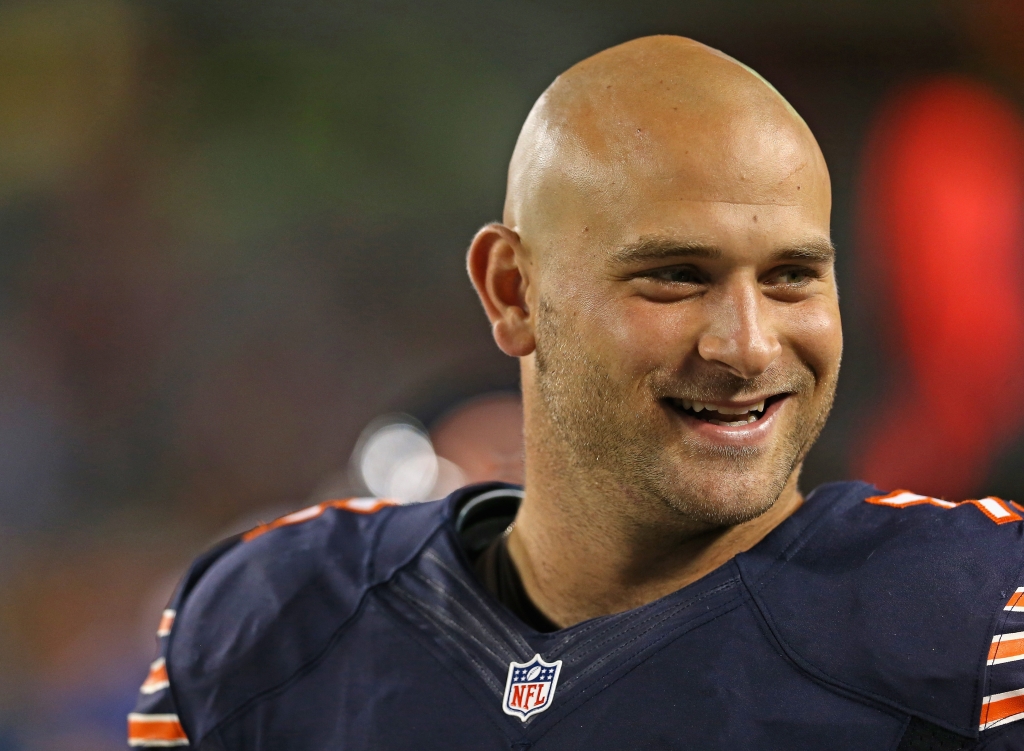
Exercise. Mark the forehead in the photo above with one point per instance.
(689, 173)
(736, 206)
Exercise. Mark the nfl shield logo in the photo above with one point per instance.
(530, 687)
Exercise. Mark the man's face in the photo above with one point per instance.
(659, 298)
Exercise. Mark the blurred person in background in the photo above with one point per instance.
(665, 275)
(483, 437)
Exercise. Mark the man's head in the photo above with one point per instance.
(665, 246)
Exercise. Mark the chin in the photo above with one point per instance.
(726, 499)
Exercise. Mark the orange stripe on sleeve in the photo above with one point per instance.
(1016, 601)
(157, 678)
(1006, 648)
(1001, 709)
(155, 730)
(356, 505)
(166, 621)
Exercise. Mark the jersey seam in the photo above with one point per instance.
(658, 645)
(801, 539)
(810, 669)
(427, 647)
(507, 631)
(638, 630)
(417, 603)
(651, 623)
(998, 734)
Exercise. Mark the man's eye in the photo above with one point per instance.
(675, 276)
(792, 277)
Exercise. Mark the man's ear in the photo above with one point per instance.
(497, 266)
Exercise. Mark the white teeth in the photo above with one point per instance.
(750, 414)
(697, 406)
(732, 410)
(759, 407)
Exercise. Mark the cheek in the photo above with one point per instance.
(816, 335)
(638, 337)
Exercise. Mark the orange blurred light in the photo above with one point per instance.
(943, 220)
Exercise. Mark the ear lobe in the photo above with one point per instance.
(498, 268)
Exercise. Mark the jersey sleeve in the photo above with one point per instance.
(1003, 695)
(255, 610)
(156, 722)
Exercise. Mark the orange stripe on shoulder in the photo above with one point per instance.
(996, 509)
(904, 498)
(360, 505)
(155, 730)
(355, 505)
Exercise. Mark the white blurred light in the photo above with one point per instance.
(450, 478)
(397, 461)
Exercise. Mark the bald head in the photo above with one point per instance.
(657, 118)
(665, 242)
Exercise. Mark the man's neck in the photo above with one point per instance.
(579, 559)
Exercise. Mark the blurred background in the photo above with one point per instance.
(231, 274)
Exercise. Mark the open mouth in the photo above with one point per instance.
(726, 416)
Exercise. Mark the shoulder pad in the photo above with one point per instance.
(895, 597)
(272, 603)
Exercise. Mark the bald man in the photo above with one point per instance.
(664, 274)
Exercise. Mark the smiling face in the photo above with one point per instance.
(673, 217)
(693, 356)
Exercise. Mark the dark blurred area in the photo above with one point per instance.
(232, 237)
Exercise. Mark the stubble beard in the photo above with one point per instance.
(588, 424)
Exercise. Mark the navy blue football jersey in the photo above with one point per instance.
(863, 621)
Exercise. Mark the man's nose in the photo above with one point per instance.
(739, 334)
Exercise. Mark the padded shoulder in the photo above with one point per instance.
(273, 602)
(892, 597)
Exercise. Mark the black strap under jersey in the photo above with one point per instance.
(924, 736)
(499, 576)
(482, 523)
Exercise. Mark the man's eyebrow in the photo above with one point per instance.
(659, 249)
(822, 251)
